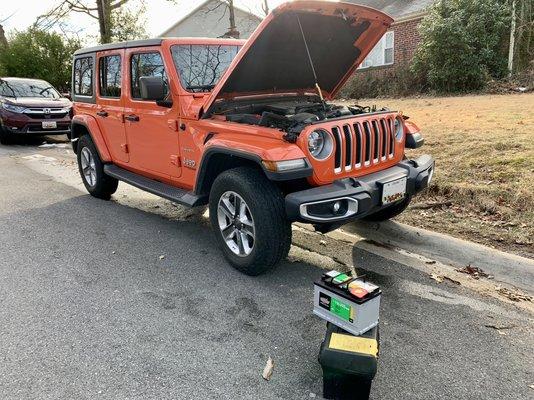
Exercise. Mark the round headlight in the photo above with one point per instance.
(399, 130)
(320, 144)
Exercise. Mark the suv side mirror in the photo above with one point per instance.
(152, 88)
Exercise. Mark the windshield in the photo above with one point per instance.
(27, 88)
(201, 66)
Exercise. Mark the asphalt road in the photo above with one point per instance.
(89, 311)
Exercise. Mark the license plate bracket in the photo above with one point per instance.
(394, 190)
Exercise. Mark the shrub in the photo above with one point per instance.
(463, 44)
(398, 82)
(39, 54)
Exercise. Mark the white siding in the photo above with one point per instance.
(212, 21)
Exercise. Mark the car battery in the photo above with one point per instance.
(349, 303)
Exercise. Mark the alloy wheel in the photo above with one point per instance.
(88, 166)
(236, 223)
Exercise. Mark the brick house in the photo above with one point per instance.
(397, 47)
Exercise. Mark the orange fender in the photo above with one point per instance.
(90, 124)
(411, 128)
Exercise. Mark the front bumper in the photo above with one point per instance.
(360, 196)
(24, 124)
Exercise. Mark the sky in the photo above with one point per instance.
(161, 14)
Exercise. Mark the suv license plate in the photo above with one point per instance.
(393, 191)
(49, 124)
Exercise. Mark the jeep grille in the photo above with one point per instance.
(363, 143)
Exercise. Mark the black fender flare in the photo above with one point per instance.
(202, 175)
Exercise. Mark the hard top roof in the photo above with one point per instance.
(156, 42)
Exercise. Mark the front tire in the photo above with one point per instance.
(247, 213)
(389, 212)
(5, 138)
(91, 168)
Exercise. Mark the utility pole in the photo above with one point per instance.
(512, 41)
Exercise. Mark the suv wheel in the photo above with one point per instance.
(247, 214)
(91, 168)
(389, 212)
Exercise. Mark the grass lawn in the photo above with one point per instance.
(484, 150)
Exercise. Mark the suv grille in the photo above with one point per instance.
(359, 144)
(39, 113)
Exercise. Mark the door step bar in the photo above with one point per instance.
(168, 192)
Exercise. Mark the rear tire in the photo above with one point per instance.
(91, 168)
(389, 212)
(247, 213)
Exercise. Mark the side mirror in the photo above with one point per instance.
(66, 95)
(152, 88)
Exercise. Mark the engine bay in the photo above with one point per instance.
(291, 116)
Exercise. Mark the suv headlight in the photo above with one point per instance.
(320, 144)
(399, 130)
(13, 108)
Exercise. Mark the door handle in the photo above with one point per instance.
(102, 113)
(132, 118)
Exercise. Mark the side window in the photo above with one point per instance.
(110, 76)
(146, 64)
(83, 76)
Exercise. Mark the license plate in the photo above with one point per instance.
(393, 191)
(49, 124)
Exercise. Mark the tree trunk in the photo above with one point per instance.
(232, 32)
(104, 20)
(512, 41)
(3, 40)
(265, 7)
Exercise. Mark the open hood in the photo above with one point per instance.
(275, 59)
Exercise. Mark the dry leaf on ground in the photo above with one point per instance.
(514, 296)
(475, 272)
(268, 370)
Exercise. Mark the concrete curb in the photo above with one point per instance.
(507, 268)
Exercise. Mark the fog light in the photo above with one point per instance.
(326, 210)
(336, 206)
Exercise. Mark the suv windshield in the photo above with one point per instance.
(27, 88)
(201, 66)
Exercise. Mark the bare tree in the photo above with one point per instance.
(265, 7)
(232, 30)
(3, 40)
(100, 10)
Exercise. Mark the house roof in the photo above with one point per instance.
(397, 8)
(202, 4)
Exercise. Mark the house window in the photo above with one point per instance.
(382, 53)
(110, 76)
(83, 76)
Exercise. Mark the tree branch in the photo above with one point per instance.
(118, 4)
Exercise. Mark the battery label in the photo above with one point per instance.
(342, 310)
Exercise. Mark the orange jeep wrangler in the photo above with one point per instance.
(246, 127)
